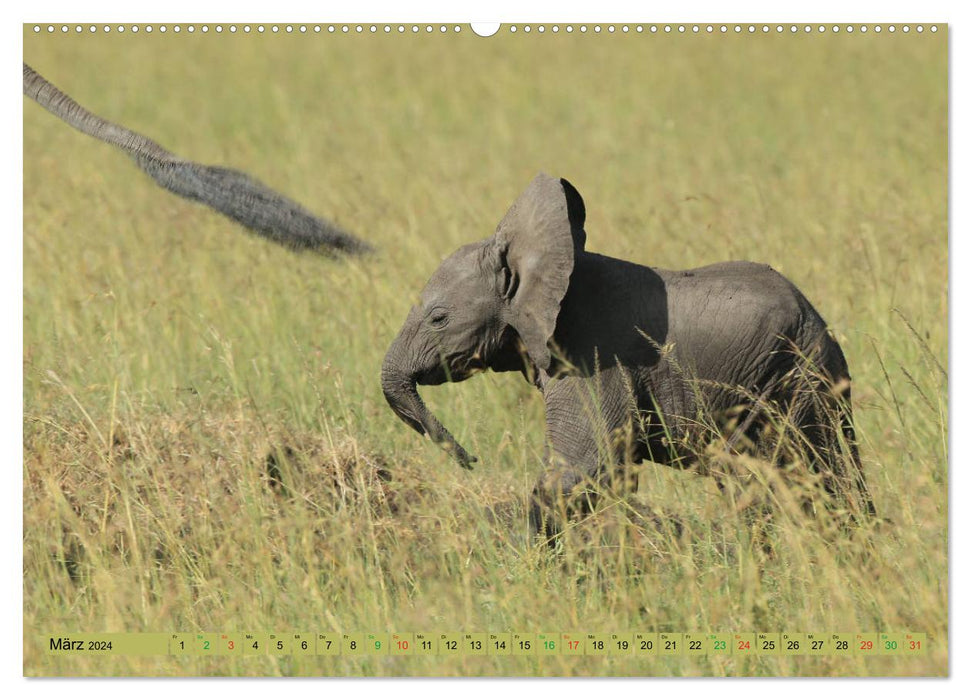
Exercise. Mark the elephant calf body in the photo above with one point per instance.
(635, 363)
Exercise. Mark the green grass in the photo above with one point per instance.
(167, 354)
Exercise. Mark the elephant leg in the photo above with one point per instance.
(563, 492)
(745, 437)
(825, 427)
(800, 432)
(589, 443)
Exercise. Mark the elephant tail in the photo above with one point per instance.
(238, 196)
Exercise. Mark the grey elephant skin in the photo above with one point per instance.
(634, 363)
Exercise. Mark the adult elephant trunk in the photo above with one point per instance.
(400, 386)
(242, 198)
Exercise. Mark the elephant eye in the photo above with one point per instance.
(438, 318)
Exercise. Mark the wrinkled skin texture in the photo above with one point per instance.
(635, 363)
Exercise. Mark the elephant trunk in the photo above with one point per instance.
(400, 388)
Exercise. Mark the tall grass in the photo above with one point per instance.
(206, 444)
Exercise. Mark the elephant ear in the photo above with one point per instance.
(539, 238)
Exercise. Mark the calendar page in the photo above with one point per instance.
(523, 349)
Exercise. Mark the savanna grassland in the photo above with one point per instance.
(206, 445)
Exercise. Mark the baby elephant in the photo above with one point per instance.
(635, 363)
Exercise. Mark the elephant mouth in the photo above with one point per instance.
(456, 369)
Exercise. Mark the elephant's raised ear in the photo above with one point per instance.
(539, 238)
